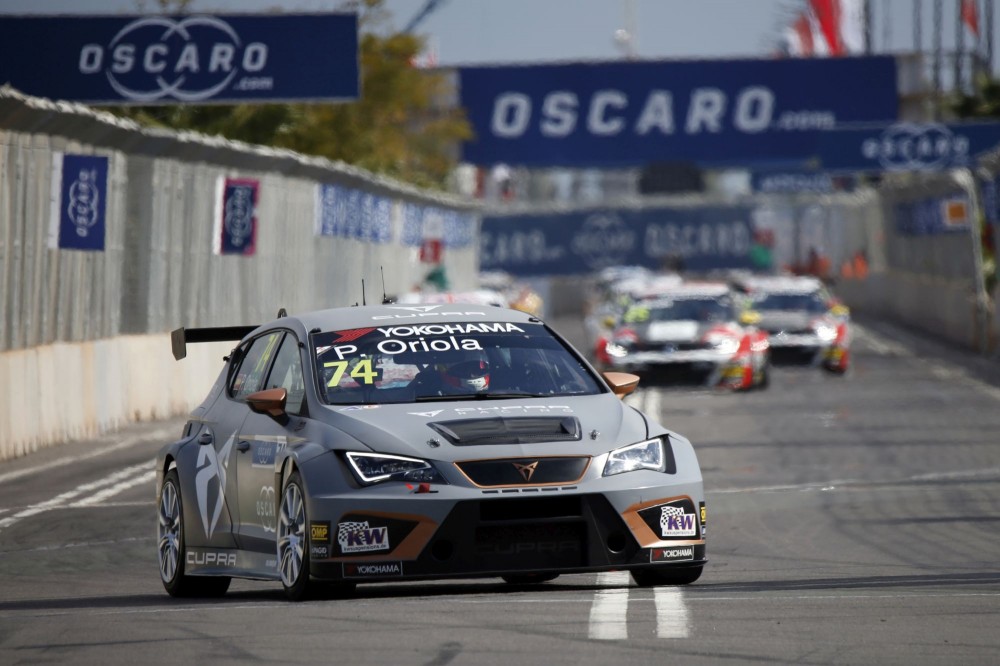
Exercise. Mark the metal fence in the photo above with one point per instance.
(158, 270)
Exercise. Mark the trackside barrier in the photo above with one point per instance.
(924, 256)
(82, 332)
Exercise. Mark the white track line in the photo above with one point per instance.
(156, 436)
(672, 617)
(609, 612)
(122, 476)
(114, 490)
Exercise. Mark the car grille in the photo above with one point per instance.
(524, 471)
(669, 346)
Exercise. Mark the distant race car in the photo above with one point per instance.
(691, 333)
(395, 443)
(805, 322)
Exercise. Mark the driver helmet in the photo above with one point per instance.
(470, 374)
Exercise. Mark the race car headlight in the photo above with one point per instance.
(724, 344)
(644, 455)
(825, 332)
(372, 468)
(616, 350)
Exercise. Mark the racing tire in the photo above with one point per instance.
(293, 541)
(529, 578)
(665, 576)
(171, 551)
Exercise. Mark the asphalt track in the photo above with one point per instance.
(851, 519)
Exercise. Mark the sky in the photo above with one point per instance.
(498, 31)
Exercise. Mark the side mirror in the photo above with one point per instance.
(270, 402)
(750, 317)
(622, 383)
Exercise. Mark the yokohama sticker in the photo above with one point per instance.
(372, 569)
(673, 554)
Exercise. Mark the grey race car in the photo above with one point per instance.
(391, 443)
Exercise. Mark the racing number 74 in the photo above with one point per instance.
(362, 370)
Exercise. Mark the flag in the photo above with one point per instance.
(970, 16)
(827, 16)
(798, 37)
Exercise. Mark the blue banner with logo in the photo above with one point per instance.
(236, 216)
(79, 203)
(712, 112)
(794, 182)
(182, 59)
(695, 239)
(349, 213)
(936, 215)
(906, 146)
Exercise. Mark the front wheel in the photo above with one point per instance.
(171, 549)
(293, 542)
(665, 576)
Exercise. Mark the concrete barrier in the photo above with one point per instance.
(71, 391)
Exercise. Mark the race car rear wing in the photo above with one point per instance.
(180, 337)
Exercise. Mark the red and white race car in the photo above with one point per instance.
(693, 332)
(806, 324)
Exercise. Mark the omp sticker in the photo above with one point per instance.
(319, 531)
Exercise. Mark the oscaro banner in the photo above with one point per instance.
(79, 200)
(582, 242)
(906, 146)
(236, 202)
(173, 59)
(709, 112)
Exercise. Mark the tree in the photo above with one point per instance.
(984, 102)
(402, 125)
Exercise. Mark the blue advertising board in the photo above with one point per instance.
(182, 59)
(582, 242)
(712, 112)
(78, 219)
(906, 146)
(794, 182)
(236, 216)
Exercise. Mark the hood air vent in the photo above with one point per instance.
(509, 430)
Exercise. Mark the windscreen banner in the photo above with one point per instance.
(199, 59)
(79, 201)
(236, 202)
(906, 146)
(578, 243)
(711, 112)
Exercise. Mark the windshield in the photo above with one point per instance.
(694, 309)
(812, 302)
(446, 361)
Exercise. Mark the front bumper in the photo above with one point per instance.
(466, 532)
(702, 367)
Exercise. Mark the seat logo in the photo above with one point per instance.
(526, 471)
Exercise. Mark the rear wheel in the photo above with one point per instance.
(666, 576)
(171, 550)
(293, 543)
(529, 578)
